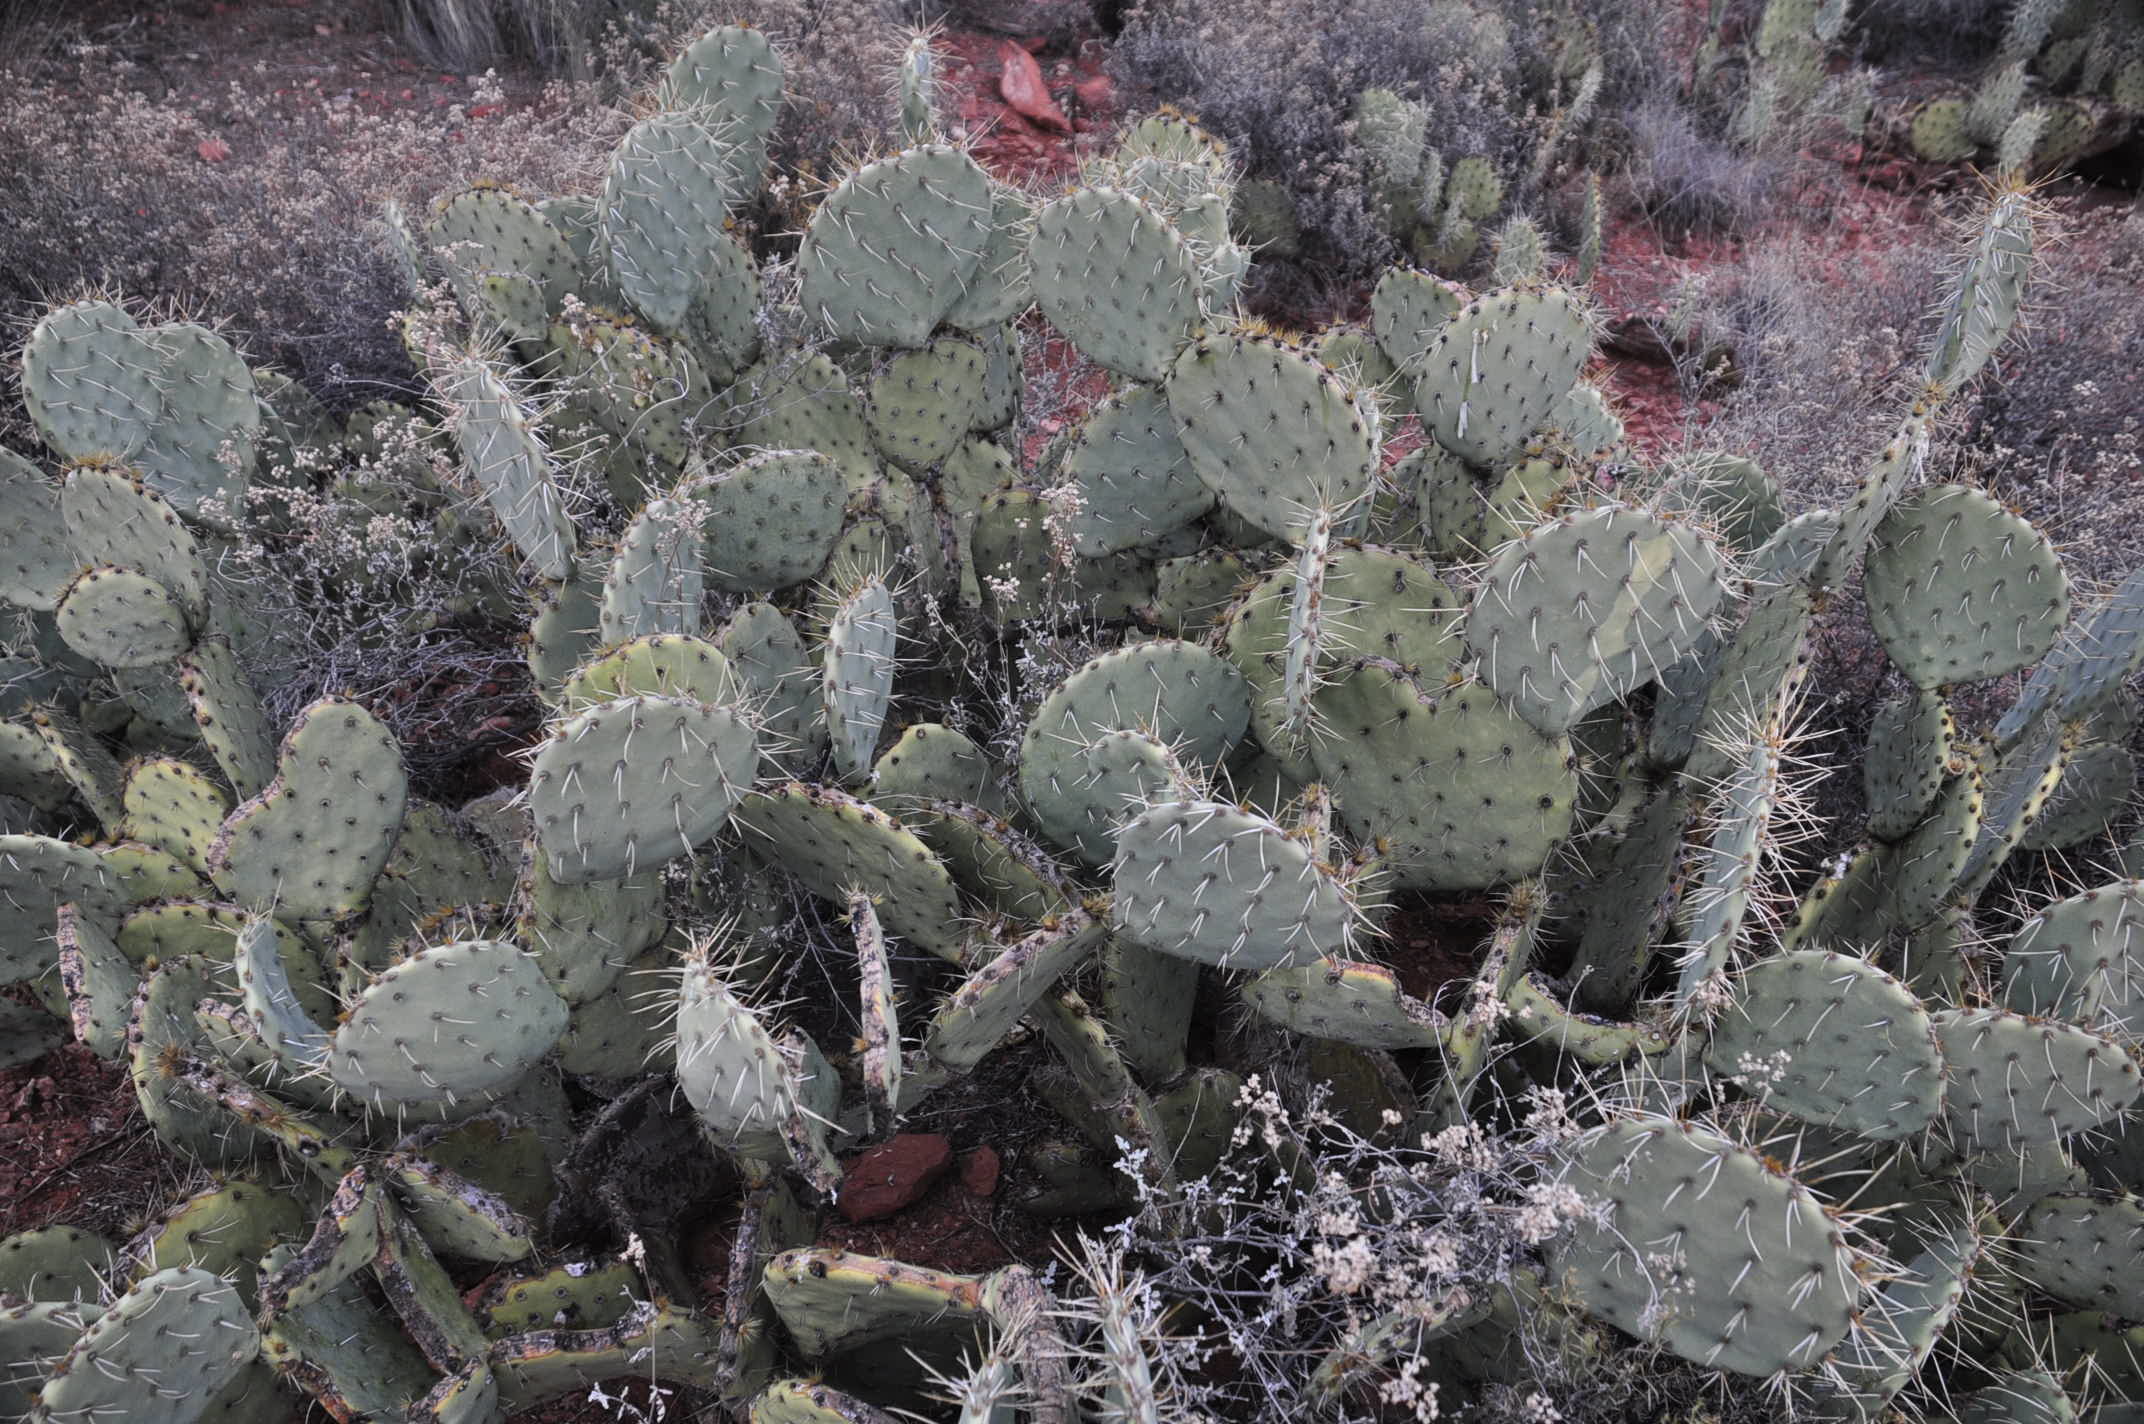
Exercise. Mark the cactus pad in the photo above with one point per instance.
(1495, 373)
(1206, 881)
(1706, 1249)
(280, 849)
(1113, 276)
(1463, 792)
(161, 1352)
(1833, 1040)
(456, 1022)
(1960, 589)
(1271, 432)
(889, 252)
(631, 783)
(2017, 1081)
(1587, 609)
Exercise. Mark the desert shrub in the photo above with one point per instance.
(1690, 181)
(2061, 432)
(255, 208)
(466, 35)
(1281, 84)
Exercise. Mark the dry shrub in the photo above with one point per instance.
(1279, 82)
(110, 186)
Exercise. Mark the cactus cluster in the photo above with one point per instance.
(1314, 677)
(2064, 82)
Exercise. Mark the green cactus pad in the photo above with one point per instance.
(29, 771)
(1911, 741)
(122, 618)
(2097, 789)
(629, 784)
(457, 1023)
(835, 843)
(856, 673)
(989, 1004)
(583, 935)
(171, 805)
(2087, 667)
(100, 982)
(1079, 783)
(1961, 590)
(1495, 373)
(37, 875)
(2018, 789)
(1905, 1321)
(1707, 1249)
(114, 517)
(770, 522)
(2082, 1250)
(1832, 1040)
(201, 448)
(223, 1231)
(1540, 1016)
(803, 404)
(1734, 492)
(920, 404)
(503, 455)
(1131, 480)
(1407, 309)
(93, 771)
(160, 1352)
(89, 378)
(1463, 793)
(576, 1295)
(228, 715)
(1356, 1003)
(299, 1044)
(657, 574)
(1987, 290)
(2017, 1081)
(279, 849)
(1725, 869)
(490, 230)
(1375, 603)
(1759, 669)
(999, 290)
(932, 762)
(1468, 517)
(2077, 959)
(890, 251)
(56, 1264)
(837, 1300)
(1898, 466)
(768, 657)
(677, 1343)
(35, 552)
(1112, 275)
(672, 179)
(1205, 881)
(745, 1089)
(660, 665)
(340, 1348)
(721, 326)
(460, 1217)
(1271, 432)
(989, 859)
(1584, 610)
(730, 77)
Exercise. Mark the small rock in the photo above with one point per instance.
(1095, 91)
(893, 1175)
(1022, 86)
(212, 150)
(979, 1171)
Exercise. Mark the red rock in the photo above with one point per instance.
(979, 1171)
(212, 150)
(1095, 91)
(1022, 86)
(893, 1175)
